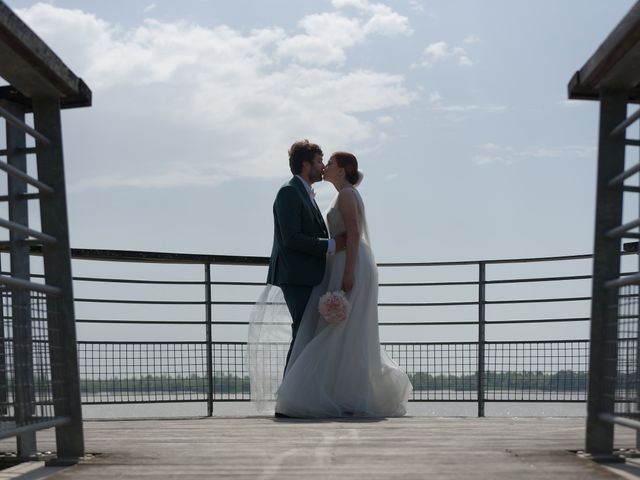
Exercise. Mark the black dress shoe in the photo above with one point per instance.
(281, 415)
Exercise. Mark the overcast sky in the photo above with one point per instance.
(456, 110)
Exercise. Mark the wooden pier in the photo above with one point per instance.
(266, 448)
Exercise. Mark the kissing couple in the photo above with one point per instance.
(332, 368)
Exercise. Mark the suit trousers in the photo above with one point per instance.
(296, 297)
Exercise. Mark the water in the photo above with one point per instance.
(418, 409)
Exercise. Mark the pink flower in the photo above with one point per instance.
(334, 307)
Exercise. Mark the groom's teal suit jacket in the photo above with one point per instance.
(300, 238)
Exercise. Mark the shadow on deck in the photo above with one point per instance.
(261, 447)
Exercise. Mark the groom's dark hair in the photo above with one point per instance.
(300, 152)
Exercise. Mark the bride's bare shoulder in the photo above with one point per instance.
(347, 194)
(347, 199)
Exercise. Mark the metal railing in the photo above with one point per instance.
(209, 368)
(614, 382)
(39, 379)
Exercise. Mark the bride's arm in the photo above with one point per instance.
(348, 206)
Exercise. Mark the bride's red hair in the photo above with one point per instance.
(349, 162)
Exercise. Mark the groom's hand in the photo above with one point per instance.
(341, 242)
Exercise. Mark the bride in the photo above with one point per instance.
(340, 369)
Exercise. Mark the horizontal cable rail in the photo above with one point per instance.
(190, 258)
(21, 196)
(630, 172)
(623, 229)
(17, 227)
(16, 122)
(625, 422)
(625, 123)
(134, 256)
(150, 322)
(154, 302)
(538, 279)
(425, 284)
(488, 262)
(540, 320)
(538, 300)
(382, 284)
(20, 151)
(391, 324)
(24, 241)
(41, 425)
(142, 282)
(26, 285)
(620, 282)
(128, 371)
(381, 304)
(16, 172)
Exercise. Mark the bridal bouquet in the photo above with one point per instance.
(334, 307)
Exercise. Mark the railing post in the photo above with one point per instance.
(4, 386)
(481, 335)
(24, 401)
(65, 374)
(638, 347)
(606, 266)
(207, 300)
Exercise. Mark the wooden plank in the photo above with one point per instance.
(408, 447)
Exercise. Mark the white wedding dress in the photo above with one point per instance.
(335, 369)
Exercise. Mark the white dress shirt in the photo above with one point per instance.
(331, 246)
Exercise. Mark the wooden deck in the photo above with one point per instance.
(266, 448)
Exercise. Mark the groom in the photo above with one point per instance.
(300, 238)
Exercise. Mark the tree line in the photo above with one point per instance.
(563, 380)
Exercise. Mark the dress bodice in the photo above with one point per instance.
(335, 221)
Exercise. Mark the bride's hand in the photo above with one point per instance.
(347, 282)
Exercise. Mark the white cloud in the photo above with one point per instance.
(463, 58)
(384, 21)
(492, 153)
(436, 52)
(435, 97)
(236, 93)
(471, 39)
(440, 51)
(359, 4)
(151, 6)
(385, 120)
(436, 103)
(391, 177)
(328, 35)
(416, 6)
(171, 178)
(472, 108)
(573, 103)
